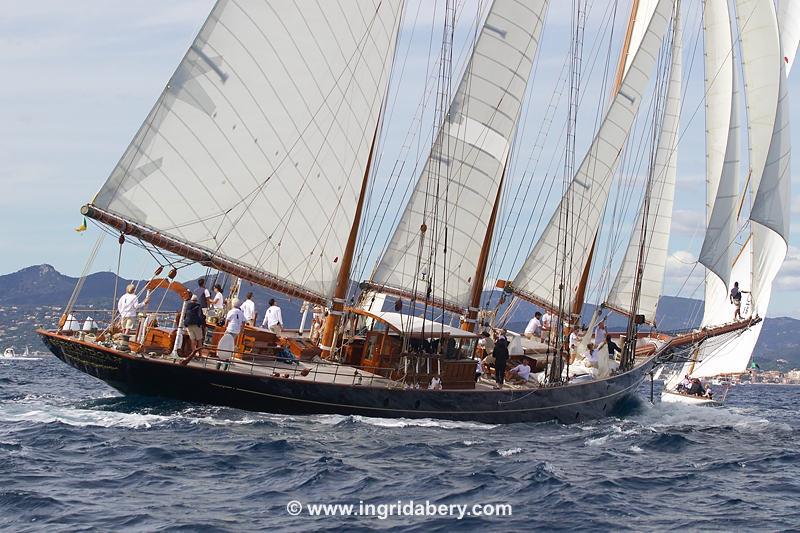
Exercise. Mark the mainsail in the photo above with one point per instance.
(586, 196)
(256, 149)
(657, 204)
(434, 251)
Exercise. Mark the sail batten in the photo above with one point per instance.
(467, 160)
(257, 146)
(589, 189)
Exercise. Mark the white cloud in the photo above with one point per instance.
(687, 222)
(789, 275)
(683, 275)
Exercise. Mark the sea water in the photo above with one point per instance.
(74, 455)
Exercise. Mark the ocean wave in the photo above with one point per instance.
(77, 417)
(336, 420)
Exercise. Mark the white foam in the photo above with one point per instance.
(77, 417)
(509, 452)
(402, 422)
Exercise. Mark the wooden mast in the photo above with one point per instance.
(471, 321)
(343, 280)
(580, 292)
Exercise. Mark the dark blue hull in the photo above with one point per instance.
(133, 374)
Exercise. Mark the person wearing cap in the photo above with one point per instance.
(193, 321)
(127, 306)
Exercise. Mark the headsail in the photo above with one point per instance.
(659, 212)
(587, 194)
(766, 96)
(468, 161)
(761, 256)
(256, 149)
(722, 160)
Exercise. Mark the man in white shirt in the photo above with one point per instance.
(574, 338)
(547, 319)
(218, 302)
(591, 360)
(249, 309)
(127, 306)
(235, 318)
(233, 325)
(601, 338)
(600, 335)
(521, 372)
(534, 328)
(273, 320)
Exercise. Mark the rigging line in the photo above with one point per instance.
(393, 75)
(557, 151)
(308, 265)
(438, 221)
(252, 195)
(286, 221)
(691, 120)
(394, 179)
(516, 144)
(540, 144)
(647, 142)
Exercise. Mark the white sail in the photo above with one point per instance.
(772, 203)
(659, 213)
(767, 119)
(760, 258)
(789, 22)
(466, 163)
(760, 46)
(257, 147)
(644, 12)
(722, 160)
(586, 196)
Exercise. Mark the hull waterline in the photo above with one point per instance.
(135, 374)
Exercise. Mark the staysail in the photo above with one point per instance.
(659, 211)
(722, 161)
(587, 194)
(466, 163)
(256, 149)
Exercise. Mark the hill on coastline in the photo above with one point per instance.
(43, 287)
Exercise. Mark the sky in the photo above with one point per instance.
(79, 78)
